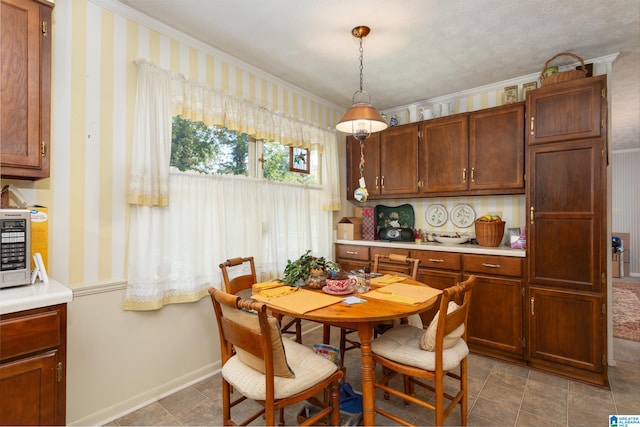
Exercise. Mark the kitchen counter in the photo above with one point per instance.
(27, 297)
(466, 248)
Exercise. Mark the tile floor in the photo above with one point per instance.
(500, 394)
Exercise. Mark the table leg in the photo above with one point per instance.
(365, 332)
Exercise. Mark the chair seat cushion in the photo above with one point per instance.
(308, 367)
(402, 344)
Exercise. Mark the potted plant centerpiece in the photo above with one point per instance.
(309, 270)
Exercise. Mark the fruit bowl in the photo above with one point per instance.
(451, 239)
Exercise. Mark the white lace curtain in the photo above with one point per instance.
(184, 224)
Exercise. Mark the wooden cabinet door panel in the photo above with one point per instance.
(572, 110)
(495, 316)
(371, 167)
(566, 231)
(566, 327)
(28, 390)
(444, 154)
(439, 279)
(399, 160)
(25, 84)
(496, 148)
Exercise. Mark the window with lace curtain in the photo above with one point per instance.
(217, 150)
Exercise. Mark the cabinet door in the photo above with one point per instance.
(399, 160)
(496, 150)
(495, 316)
(444, 154)
(566, 327)
(28, 390)
(439, 279)
(567, 228)
(371, 166)
(571, 110)
(25, 84)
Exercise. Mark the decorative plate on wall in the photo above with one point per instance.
(463, 215)
(436, 215)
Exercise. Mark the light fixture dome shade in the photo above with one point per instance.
(360, 119)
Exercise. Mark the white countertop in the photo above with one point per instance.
(466, 248)
(38, 295)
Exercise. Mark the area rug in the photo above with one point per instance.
(626, 311)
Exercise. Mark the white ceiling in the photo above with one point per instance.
(417, 49)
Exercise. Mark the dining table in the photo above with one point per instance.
(385, 301)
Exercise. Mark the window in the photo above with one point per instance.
(212, 150)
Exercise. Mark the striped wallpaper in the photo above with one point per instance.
(94, 81)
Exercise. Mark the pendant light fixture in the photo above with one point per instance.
(361, 120)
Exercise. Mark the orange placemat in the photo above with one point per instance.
(300, 301)
(387, 279)
(404, 293)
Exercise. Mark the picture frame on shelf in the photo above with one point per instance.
(526, 87)
(299, 160)
(511, 94)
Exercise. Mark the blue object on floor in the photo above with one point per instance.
(350, 401)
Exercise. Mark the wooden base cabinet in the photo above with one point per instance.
(33, 366)
(495, 317)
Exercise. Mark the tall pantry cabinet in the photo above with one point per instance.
(566, 134)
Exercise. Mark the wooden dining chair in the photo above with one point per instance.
(239, 275)
(258, 364)
(385, 264)
(424, 357)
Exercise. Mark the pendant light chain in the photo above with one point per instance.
(361, 67)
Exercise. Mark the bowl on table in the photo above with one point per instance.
(340, 287)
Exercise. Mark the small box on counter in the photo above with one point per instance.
(357, 212)
(40, 233)
(350, 228)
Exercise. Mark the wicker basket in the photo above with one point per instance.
(563, 76)
(489, 233)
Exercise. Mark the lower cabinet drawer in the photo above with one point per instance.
(352, 252)
(498, 265)
(439, 260)
(29, 334)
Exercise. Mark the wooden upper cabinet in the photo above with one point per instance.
(399, 161)
(25, 62)
(371, 170)
(496, 150)
(444, 154)
(571, 110)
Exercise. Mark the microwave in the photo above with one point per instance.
(15, 247)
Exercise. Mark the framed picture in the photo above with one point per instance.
(510, 94)
(527, 87)
(299, 160)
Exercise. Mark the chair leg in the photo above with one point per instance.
(439, 383)
(299, 331)
(463, 388)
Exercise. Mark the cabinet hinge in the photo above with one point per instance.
(524, 342)
(604, 93)
(59, 372)
(45, 30)
(43, 149)
(522, 290)
(603, 278)
(604, 309)
(604, 359)
(419, 135)
(602, 123)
